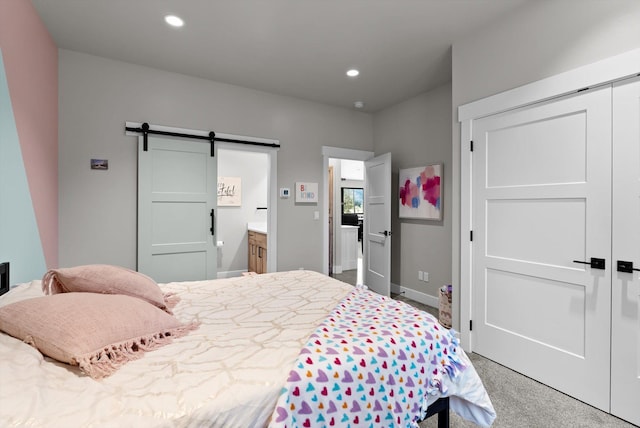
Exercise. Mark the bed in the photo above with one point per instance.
(265, 350)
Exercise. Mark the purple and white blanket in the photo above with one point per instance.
(373, 362)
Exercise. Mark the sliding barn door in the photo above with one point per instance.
(625, 328)
(542, 208)
(176, 205)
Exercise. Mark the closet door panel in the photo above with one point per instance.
(541, 199)
(625, 304)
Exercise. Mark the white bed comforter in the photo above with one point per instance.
(227, 373)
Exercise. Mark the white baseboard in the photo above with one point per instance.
(231, 273)
(418, 296)
(337, 269)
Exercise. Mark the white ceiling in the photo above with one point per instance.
(298, 48)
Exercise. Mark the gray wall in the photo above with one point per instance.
(417, 132)
(97, 210)
(97, 96)
(538, 40)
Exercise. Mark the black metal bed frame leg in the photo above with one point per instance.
(441, 408)
(443, 418)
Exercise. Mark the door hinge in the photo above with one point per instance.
(471, 145)
(470, 325)
(471, 235)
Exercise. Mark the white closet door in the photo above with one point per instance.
(625, 305)
(177, 195)
(377, 224)
(542, 199)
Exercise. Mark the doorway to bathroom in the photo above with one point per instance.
(243, 207)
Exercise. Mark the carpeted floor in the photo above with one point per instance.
(521, 402)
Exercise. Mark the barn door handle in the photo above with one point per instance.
(213, 223)
(626, 267)
(595, 263)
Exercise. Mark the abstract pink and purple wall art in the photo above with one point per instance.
(420, 195)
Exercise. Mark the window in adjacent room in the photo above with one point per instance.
(352, 200)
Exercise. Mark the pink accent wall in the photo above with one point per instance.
(31, 65)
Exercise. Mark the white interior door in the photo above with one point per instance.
(625, 287)
(377, 224)
(542, 199)
(176, 210)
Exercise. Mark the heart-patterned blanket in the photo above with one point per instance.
(374, 361)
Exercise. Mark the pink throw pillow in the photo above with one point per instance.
(107, 279)
(97, 332)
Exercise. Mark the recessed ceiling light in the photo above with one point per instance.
(353, 72)
(174, 21)
(358, 104)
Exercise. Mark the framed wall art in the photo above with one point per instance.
(420, 192)
(100, 164)
(307, 192)
(229, 191)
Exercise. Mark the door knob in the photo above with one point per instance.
(626, 267)
(595, 263)
(385, 233)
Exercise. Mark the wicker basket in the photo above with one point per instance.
(444, 313)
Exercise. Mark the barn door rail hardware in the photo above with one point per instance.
(145, 130)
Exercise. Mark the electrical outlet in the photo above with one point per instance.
(419, 275)
(425, 276)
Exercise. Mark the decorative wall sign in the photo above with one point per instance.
(229, 191)
(307, 192)
(420, 194)
(99, 164)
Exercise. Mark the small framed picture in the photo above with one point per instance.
(307, 192)
(229, 191)
(99, 164)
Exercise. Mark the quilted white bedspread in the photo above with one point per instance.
(228, 373)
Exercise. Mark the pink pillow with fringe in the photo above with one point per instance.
(107, 279)
(97, 332)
